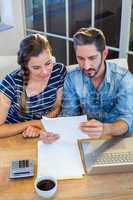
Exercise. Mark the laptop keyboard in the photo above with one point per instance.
(110, 158)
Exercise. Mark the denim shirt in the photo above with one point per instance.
(113, 99)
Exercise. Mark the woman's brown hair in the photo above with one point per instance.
(32, 45)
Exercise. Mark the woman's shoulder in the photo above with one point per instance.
(59, 66)
(14, 77)
(11, 83)
(59, 69)
(17, 73)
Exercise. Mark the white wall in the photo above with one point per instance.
(11, 11)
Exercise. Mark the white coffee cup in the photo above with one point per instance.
(46, 186)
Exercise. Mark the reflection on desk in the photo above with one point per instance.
(97, 187)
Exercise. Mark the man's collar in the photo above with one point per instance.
(107, 75)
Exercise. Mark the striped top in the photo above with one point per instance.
(38, 105)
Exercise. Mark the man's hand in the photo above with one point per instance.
(48, 137)
(92, 128)
(31, 132)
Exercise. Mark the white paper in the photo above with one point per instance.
(66, 127)
(62, 158)
(60, 161)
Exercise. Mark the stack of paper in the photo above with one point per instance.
(62, 158)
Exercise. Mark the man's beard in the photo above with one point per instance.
(95, 71)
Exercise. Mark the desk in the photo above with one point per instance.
(96, 187)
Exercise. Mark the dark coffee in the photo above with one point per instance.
(46, 185)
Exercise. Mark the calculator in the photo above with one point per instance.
(21, 168)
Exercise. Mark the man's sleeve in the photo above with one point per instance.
(70, 106)
(124, 104)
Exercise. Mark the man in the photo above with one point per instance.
(103, 91)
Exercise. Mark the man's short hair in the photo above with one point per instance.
(90, 35)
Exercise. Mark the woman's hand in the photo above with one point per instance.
(48, 137)
(31, 132)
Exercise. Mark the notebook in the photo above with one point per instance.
(107, 156)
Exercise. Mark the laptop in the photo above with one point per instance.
(107, 156)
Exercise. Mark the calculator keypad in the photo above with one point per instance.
(22, 168)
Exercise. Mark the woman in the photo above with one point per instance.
(33, 91)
